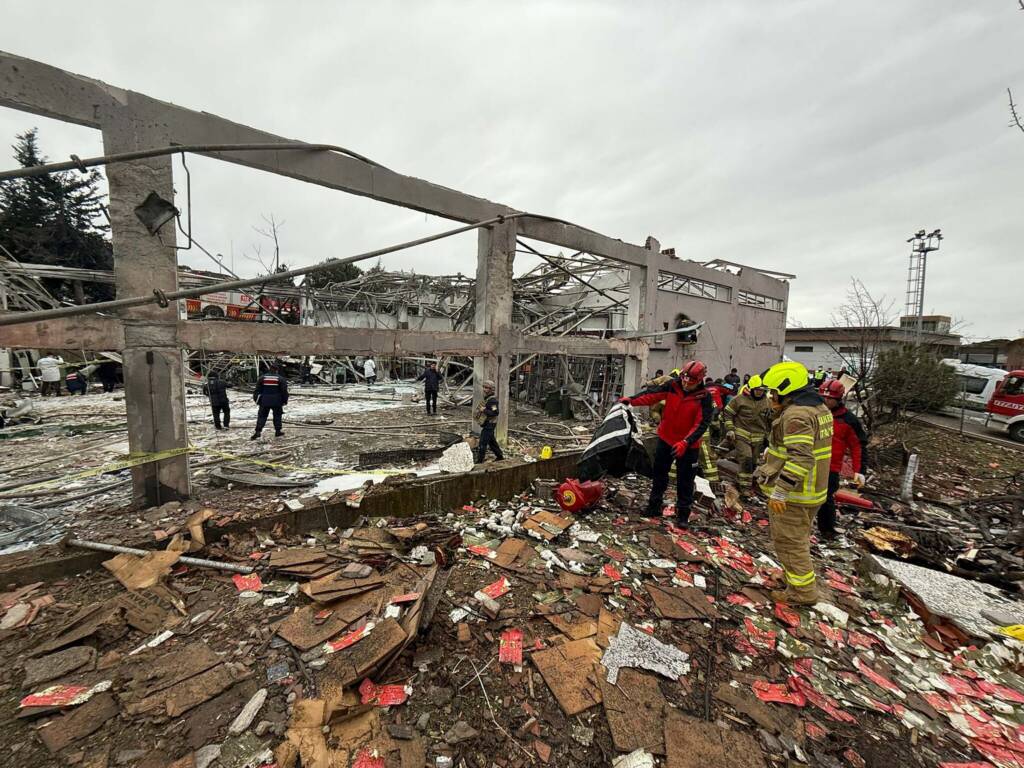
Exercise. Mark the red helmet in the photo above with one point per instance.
(833, 389)
(693, 370)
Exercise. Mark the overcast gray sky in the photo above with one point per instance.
(808, 137)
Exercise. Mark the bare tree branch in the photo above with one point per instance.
(1016, 120)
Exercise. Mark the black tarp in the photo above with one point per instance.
(616, 448)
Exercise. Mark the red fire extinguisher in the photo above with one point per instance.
(574, 496)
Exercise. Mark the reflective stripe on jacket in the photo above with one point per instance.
(800, 451)
(747, 417)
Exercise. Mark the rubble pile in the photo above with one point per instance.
(509, 633)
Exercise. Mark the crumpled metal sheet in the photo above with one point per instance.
(960, 600)
(633, 648)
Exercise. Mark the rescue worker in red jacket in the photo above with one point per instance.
(849, 437)
(688, 411)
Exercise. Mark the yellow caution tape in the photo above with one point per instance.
(293, 468)
(1016, 631)
(133, 460)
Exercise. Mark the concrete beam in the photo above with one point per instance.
(154, 380)
(35, 87)
(496, 252)
(86, 332)
(108, 333)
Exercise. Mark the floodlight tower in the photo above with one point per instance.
(921, 246)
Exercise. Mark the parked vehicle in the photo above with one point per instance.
(976, 384)
(1006, 406)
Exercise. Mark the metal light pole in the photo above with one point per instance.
(921, 246)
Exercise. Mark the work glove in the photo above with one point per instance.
(859, 479)
(680, 448)
(625, 400)
(730, 436)
(777, 501)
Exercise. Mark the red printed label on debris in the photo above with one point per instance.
(747, 517)
(815, 731)
(1000, 691)
(965, 765)
(382, 695)
(832, 636)
(853, 758)
(57, 696)
(826, 704)
(368, 758)
(787, 615)
(737, 598)
(963, 687)
(324, 614)
(615, 554)
(497, 589)
(778, 693)
(874, 677)
(250, 583)
(625, 591)
(759, 637)
(510, 649)
(804, 667)
(860, 640)
(345, 641)
(480, 549)
(406, 598)
(683, 576)
(612, 572)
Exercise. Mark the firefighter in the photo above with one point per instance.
(746, 419)
(271, 394)
(659, 380)
(849, 437)
(795, 474)
(487, 417)
(688, 411)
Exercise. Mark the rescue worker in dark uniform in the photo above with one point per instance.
(848, 437)
(688, 412)
(487, 417)
(271, 394)
(76, 383)
(217, 391)
(431, 379)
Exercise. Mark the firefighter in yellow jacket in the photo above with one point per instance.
(746, 419)
(795, 474)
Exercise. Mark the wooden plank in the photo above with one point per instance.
(635, 709)
(571, 671)
(691, 743)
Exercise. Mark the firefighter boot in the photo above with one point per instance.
(791, 536)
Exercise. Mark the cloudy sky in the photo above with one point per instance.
(807, 137)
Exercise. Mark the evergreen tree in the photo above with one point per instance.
(56, 219)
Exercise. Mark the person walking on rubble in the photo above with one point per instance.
(49, 374)
(431, 379)
(370, 370)
(848, 437)
(217, 391)
(487, 417)
(688, 412)
(746, 419)
(271, 395)
(795, 475)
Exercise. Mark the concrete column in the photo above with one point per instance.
(495, 254)
(153, 371)
(643, 309)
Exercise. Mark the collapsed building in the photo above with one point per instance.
(353, 595)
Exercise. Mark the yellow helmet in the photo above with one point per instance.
(755, 382)
(675, 371)
(785, 378)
